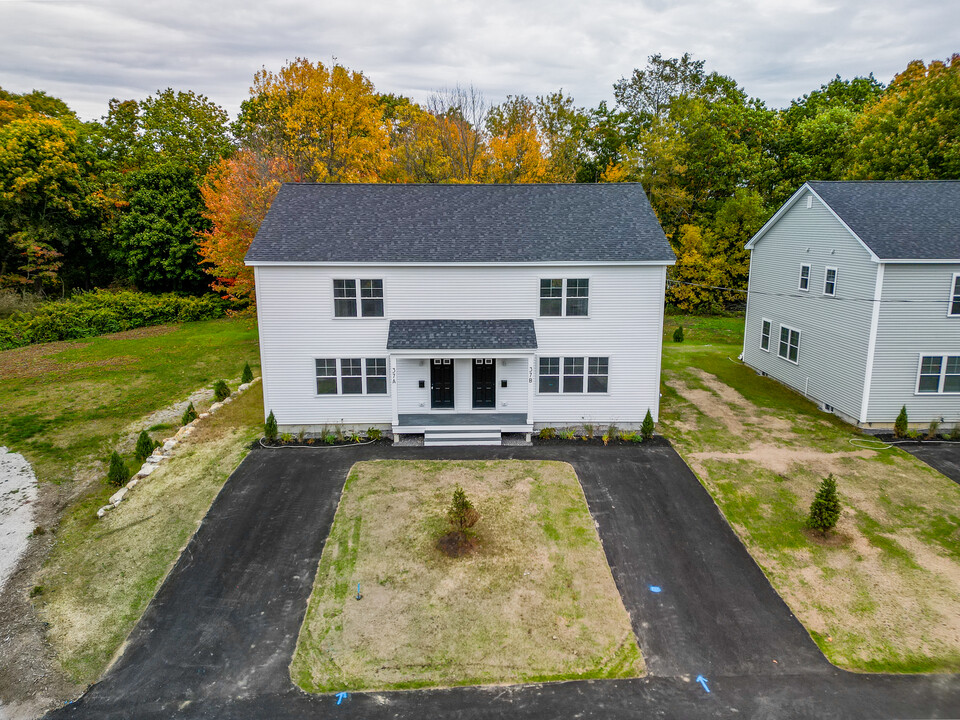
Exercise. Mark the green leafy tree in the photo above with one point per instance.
(145, 446)
(647, 426)
(270, 427)
(118, 474)
(157, 234)
(825, 508)
(902, 424)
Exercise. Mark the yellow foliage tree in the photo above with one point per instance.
(416, 150)
(516, 153)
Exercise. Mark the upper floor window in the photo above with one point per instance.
(345, 299)
(939, 374)
(564, 297)
(804, 277)
(830, 282)
(789, 348)
(765, 335)
(955, 296)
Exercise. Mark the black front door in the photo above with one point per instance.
(441, 383)
(484, 383)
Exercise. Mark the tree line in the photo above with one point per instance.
(165, 193)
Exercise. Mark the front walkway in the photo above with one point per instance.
(217, 640)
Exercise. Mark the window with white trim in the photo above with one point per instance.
(574, 375)
(765, 334)
(789, 347)
(939, 374)
(346, 303)
(830, 282)
(804, 277)
(356, 376)
(955, 296)
(568, 297)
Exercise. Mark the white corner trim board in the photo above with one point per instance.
(168, 447)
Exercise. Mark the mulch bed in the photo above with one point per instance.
(891, 438)
(655, 441)
(318, 442)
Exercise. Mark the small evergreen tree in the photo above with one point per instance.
(247, 375)
(825, 508)
(646, 428)
(118, 473)
(220, 391)
(461, 514)
(270, 427)
(145, 446)
(189, 415)
(678, 334)
(901, 425)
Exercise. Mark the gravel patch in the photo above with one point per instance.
(18, 492)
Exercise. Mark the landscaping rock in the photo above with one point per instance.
(133, 483)
(243, 387)
(103, 511)
(169, 445)
(146, 469)
(203, 415)
(216, 406)
(118, 496)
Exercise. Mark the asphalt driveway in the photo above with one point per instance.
(217, 640)
(941, 456)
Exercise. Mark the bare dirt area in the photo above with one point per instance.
(881, 592)
(533, 600)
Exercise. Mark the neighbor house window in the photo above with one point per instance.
(597, 374)
(549, 374)
(804, 277)
(830, 282)
(579, 374)
(955, 295)
(939, 374)
(564, 297)
(327, 377)
(765, 335)
(345, 298)
(789, 348)
(351, 378)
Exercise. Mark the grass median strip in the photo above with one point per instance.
(534, 601)
(101, 574)
(882, 593)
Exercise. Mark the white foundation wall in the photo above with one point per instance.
(297, 325)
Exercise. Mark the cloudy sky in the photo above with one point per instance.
(88, 51)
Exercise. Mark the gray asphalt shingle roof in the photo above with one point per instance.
(460, 223)
(462, 335)
(899, 220)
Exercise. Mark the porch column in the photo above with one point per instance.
(531, 378)
(394, 401)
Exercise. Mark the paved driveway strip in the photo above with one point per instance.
(217, 640)
(941, 456)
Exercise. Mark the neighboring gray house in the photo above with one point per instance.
(460, 312)
(854, 299)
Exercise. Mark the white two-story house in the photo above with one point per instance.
(854, 299)
(459, 311)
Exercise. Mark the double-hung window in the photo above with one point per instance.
(939, 374)
(765, 335)
(574, 375)
(830, 282)
(955, 296)
(804, 277)
(345, 298)
(351, 376)
(789, 348)
(568, 297)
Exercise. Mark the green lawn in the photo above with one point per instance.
(535, 601)
(65, 404)
(880, 594)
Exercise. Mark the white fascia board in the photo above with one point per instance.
(443, 353)
(543, 263)
(908, 261)
(790, 203)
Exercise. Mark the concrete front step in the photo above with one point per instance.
(440, 437)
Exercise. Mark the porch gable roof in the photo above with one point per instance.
(462, 335)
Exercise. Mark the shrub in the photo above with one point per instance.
(247, 374)
(955, 432)
(330, 439)
(626, 436)
(270, 427)
(220, 391)
(118, 473)
(647, 426)
(189, 415)
(605, 438)
(547, 433)
(825, 508)
(374, 433)
(286, 437)
(145, 446)
(933, 429)
(588, 430)
(678, 334)
(567, 433)
(901, 424)
(88, 314)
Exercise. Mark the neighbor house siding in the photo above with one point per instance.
(913, 321)
(834, 331)
(295, 308)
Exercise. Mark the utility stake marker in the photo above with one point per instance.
(703, 681)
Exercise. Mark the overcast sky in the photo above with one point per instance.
(87, 52)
